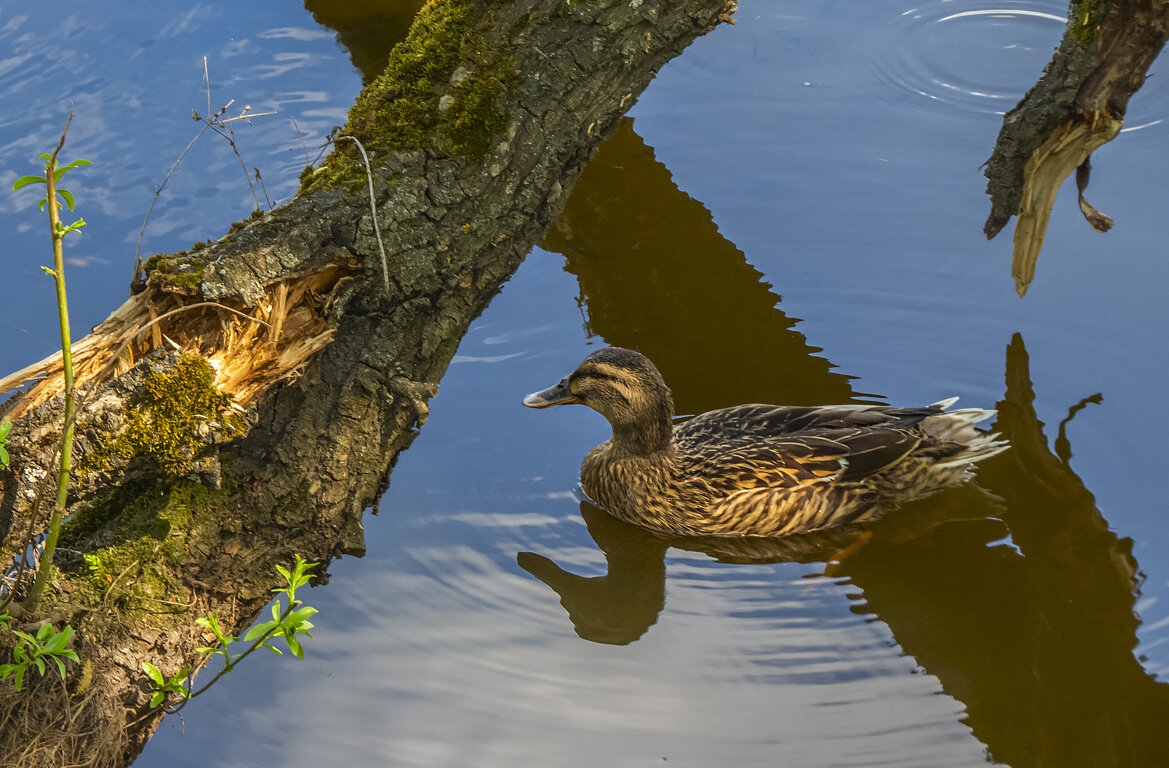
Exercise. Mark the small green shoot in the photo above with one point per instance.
(54, 196)
(164, 685)
(224, 640)
(58, 172)
(5, 428)
(290, 622)
(287, 622)
(33, 650)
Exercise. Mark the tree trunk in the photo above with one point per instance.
(1077, 106)
(477, 130)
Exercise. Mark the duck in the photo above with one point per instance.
(756, 469)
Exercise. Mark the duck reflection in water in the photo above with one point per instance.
(1013, 592)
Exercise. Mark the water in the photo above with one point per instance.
(793, 215)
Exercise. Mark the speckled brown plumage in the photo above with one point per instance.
(758, 470)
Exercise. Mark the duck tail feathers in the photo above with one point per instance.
(959, 427)
(982, 448)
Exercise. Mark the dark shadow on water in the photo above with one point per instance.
(367, 29)
(655, 275)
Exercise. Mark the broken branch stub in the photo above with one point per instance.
(1078, 105)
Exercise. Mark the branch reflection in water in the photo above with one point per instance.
(1012, 590)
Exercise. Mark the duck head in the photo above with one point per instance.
(625, 388)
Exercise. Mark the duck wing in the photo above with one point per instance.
(811, 456)
(772, 487)
(757, 420)
(727, 467)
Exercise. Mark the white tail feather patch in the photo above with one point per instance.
(958, 427)
(944, 404)
(976, 451)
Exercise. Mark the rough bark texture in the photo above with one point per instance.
(332, 388)
(1078, 105)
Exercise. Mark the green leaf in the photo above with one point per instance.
(156, 699)
(59, 640)
(60, 667)
(294, 646)
(57, 174)
(62, 230)
(5, 428)
(3, 456)
(67, 196)
(19, 679)
(24, 181)
(259, 630)
(40, 666)
(153, 673)
(45, 156)
(274, 650)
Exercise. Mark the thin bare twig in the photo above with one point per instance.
(229, 136)
(110, 588)
(207, 84)
(300, 136)
(219, 124)
(263, 187)
(373, 209)
(150, 210)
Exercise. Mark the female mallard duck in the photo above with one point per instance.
(758, 470)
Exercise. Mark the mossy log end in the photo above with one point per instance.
(1078, 104)
(219, 445)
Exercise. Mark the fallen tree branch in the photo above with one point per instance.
(476, 131)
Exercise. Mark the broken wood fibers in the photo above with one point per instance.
(248, 357)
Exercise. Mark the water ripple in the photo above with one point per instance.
(978, 60)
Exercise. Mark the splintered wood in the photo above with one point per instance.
(250, 350)
(1049, 165)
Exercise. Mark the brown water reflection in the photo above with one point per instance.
(655, 275)
(1013, 591)
(368, 29)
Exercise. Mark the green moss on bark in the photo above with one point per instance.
(442, 88)
(176, 407)
(1086, 16)
(136, 537)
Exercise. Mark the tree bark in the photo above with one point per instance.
(1077, 106)
(478, 129)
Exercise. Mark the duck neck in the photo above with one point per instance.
(647, 435)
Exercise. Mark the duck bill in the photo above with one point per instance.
(559, 394)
